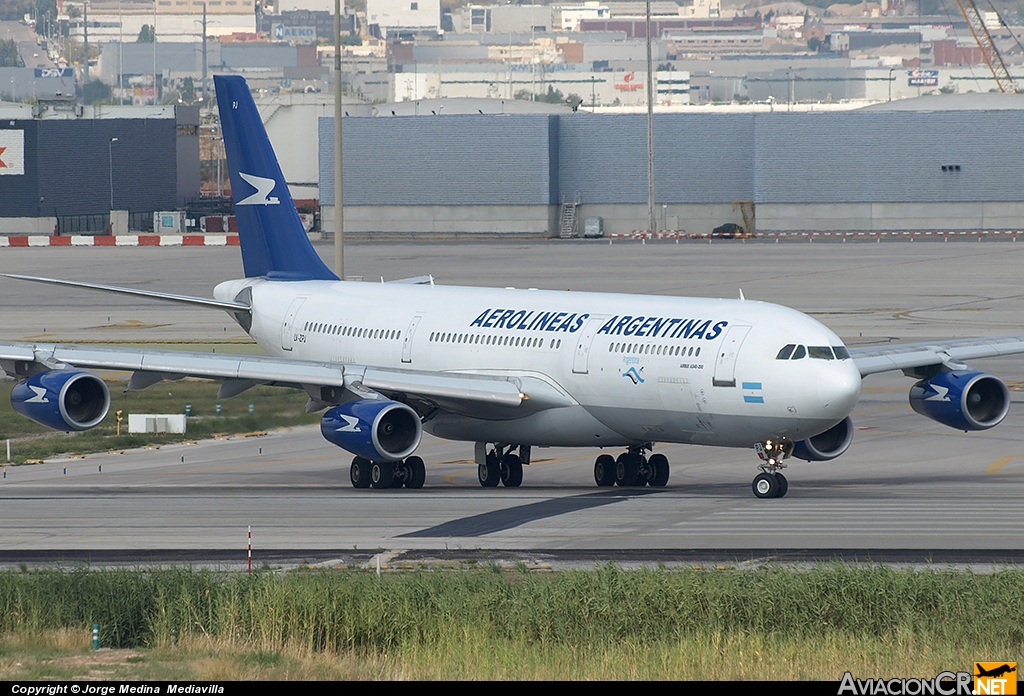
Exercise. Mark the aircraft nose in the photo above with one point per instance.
(839, 387)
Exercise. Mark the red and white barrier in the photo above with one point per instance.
(123, 240)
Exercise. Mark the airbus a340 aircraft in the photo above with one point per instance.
(508, 369)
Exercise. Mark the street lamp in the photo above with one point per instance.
(110, 152)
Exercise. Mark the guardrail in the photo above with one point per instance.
(678, 235)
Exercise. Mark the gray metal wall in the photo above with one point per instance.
(698, 158)
(449, 160)
(813, 158)
(894, 156)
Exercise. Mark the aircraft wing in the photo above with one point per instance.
(480, 395)
(907, 356)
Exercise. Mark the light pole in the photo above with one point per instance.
(110, 152)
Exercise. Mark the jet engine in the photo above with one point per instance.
(375, 430)
(827, 445)
(968, 400)
(62, 399)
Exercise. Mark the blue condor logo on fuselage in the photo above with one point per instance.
(663, 327)
(530, 320)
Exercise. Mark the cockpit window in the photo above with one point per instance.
(820, 352)
(841, 352)
(786, 352)
(800, 352)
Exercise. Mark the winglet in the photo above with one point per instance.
(274, 243)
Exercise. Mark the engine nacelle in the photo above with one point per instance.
(962, 400)
(827, 445)
(62, 399)
(375, 430)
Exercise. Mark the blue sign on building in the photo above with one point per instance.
(282, 32)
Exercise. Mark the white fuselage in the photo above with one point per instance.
(636, 368)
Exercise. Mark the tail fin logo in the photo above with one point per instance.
(263, 188)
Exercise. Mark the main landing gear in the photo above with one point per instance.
(770, 483)
(632, 468)
(366, 474)
(501, 465)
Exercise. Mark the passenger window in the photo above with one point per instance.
(820, 353)
(841, 352)
(786, 352)
(799, 353)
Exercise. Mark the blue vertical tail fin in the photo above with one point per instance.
(274, 243)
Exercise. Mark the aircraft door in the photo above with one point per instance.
(287, 333)
(407, 343)
(725, 362)
(581, 360)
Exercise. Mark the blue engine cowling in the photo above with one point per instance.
(827, 445)
(62, 399)
(968, 400)
(375, 430)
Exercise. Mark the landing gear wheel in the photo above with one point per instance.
(401, 474)
(627, 469)
(417, 473)
(382, 474)
(511, 471)
(604, 470)
(659, 464)
(359, 472)
(489, 473)
(766, 486)
(783, 485)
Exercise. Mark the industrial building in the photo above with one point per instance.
(66, 170)
(950, 164)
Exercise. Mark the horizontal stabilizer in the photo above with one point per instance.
(164, 296)
(417, 280)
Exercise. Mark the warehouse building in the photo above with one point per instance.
(68, 169)
(951, 164)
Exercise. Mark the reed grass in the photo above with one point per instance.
(352, 610)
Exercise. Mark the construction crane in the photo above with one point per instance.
(989, 52)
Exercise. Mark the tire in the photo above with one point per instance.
(418, 473)
(382, 474)
(766, 486)
(511, 471)
(604, 470)
(359, 472)
(489, 473)
(783, 485)
(660, 466)
(626, 470)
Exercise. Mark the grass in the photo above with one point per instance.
(486, 624)
(273, 408)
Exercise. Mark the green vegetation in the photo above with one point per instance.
(491, 623)
(552, 96)
(9, 56)
(145, 34)
(96, 92)
(273, 408)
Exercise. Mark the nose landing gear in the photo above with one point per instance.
(770, 483)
